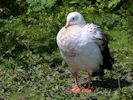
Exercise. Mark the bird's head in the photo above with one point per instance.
(75, 18)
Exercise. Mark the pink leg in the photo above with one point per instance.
(88, 89)
(75, 88)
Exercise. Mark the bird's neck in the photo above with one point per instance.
(82, 24)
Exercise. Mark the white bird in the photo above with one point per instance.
(83, 47)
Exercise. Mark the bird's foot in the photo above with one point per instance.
(75, 89)
(87, 90)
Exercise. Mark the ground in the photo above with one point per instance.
(31, 67)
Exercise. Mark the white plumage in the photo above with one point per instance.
(81, 45)
(78, 48)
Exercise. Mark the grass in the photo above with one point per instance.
(31, 67)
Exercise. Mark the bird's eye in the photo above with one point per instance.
(73, 18)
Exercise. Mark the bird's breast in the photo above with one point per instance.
(67, 42)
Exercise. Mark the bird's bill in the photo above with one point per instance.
(67, 25)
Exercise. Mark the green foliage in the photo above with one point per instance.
(38, 5)
(12, 8)
(113, 4)
(109, 5)
(30, 63)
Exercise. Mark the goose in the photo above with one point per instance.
(84, 48)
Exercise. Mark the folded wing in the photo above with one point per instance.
(96, 34)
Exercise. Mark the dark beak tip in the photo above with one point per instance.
(66, 26)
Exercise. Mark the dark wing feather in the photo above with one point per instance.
(107, 59)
